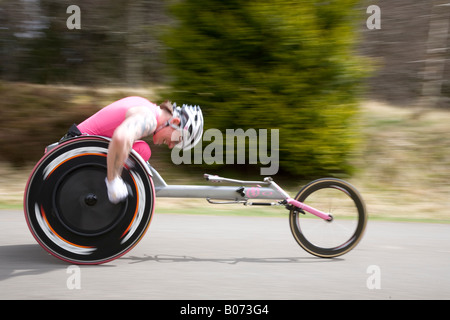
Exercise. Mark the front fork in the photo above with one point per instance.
(297, 205)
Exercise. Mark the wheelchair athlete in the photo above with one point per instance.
(128, 120)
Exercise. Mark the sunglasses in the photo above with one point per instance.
(169, 124)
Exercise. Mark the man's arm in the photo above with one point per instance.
(139, 122)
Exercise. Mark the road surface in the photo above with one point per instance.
(197, 257)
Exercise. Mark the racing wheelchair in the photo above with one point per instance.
(69, 214)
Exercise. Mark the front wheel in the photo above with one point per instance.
(328, 239)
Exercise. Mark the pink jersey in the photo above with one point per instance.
(105, 121)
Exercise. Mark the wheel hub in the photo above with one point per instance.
(90, 199)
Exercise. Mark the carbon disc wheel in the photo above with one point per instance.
(67, 207)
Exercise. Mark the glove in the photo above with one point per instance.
(117, 190)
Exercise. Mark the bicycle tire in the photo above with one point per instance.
(67, 208)
(309, 239)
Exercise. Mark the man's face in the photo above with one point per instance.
(168, 135)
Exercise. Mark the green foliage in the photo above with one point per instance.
(284, 65)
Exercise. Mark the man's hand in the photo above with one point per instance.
(117, 190)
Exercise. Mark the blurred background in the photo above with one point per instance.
(366, 104)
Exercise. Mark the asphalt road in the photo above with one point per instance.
(233, 258)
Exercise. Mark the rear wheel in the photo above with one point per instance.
(67, 207)
(328, 239)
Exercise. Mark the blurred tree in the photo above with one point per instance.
(273, 64)
(436, 54)
(116, 45)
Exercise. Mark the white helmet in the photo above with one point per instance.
(191, 125)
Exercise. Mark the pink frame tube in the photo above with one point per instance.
(311, 210)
